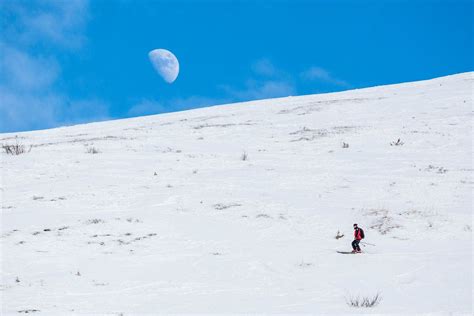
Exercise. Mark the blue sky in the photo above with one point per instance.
(69, 62)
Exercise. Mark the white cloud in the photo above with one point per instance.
(46, 22)
(266, 81)
(264, 67)
(146, 107)
(269, 81)
(149, 107)
(261, 89)
(193, 102)
(321, 74)
(30, 73)
(83, 111)
(23, 71)
(29, 111)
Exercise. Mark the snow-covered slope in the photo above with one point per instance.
(235, 208)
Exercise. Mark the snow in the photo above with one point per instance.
(168, 218)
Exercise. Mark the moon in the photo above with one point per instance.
(165, 63)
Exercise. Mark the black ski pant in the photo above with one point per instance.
(355, 245)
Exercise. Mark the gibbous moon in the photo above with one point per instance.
(165, 63)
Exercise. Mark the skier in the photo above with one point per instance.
(358, 236)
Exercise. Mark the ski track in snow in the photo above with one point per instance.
(235, 208)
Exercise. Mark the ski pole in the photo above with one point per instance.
(366, 243)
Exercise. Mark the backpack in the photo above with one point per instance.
(362, 233)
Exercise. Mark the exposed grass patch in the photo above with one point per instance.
(365, 301)
(15, 149)
(95, 221)
(221, 206)
(92, 150)
(398, 142)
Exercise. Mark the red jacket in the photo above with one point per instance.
(358, 233)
